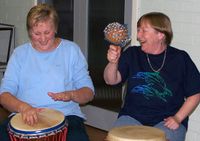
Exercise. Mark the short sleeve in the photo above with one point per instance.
(192, 77)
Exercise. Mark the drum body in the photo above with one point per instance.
(51, 126)
(135, 133)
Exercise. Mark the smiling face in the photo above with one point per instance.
(42, 23)
(150, 39)
(42, 36)
(154, 32)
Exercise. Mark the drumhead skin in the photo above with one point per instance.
(49, 120)
(136, 133)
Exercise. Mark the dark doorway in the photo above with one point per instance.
(101, 13)
(65, 9)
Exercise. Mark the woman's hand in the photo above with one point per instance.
(81, 96)
(111, 74)
(172, 122)
(62, 96)
(113, 54)
(30, 115)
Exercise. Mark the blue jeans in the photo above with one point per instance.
(76, 130)
(172, 135)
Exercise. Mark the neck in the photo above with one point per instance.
(156, 49)
(163, 62)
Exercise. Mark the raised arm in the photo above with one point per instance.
(111, 74)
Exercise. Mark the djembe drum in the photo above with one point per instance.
(50, 127)
(117, 34)
(135, 133)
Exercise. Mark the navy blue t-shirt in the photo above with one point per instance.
(152, 96)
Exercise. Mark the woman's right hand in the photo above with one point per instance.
(113, 54)
(30, 114)
(111, 74)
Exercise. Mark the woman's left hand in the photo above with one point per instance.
(61, 96)
(172, 123)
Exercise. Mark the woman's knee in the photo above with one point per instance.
(173, 135)
(125, 121)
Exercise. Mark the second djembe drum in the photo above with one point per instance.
(136, 133)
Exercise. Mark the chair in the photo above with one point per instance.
(6, 45)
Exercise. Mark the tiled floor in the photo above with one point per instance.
(96, 134)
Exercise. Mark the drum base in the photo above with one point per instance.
(60, 136)
(51, 126)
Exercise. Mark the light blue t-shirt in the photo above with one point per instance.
(30, 75)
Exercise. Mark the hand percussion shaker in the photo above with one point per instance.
(51, 127)
(135, 133)
(117, 34)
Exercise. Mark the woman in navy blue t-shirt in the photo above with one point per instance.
(163, 83)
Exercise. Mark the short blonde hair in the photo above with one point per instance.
(160, 22)
(39, 13)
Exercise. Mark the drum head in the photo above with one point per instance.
(48, 120)
(136, 133)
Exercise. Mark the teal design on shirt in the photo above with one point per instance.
(154, 86)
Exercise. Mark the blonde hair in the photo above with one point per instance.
(39, 13)
(160, 22)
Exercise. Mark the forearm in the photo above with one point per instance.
(111, 74)
(82, 95)
(11, 103)
(188, 107)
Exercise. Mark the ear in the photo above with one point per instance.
(161, 36)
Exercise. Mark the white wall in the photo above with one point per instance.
(14, 12)
(185, 18)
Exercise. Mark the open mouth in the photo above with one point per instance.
(43, 43)
(141, 41)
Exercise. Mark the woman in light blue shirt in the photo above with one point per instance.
(48, 72)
